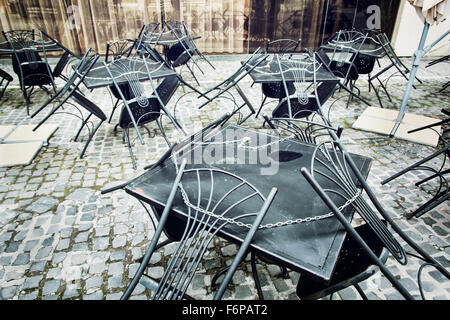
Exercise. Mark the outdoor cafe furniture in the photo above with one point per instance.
(275, 90)
(31, 69)
(334, 175)
(5, 80)
(135, 70)
(205, 220)
(310, 82)
(341, 53)
(178, 44)
(394, 62)
(299, 233)
(224, 87)
(441, 171)
(70, 95)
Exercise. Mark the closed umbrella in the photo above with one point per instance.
(430, 12)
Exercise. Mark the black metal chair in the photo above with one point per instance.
(342, 61)
(395, 62)
(205, 218)
(5, 79)
(116, 50)
(182, 52)
(283, 46)
(31, 69)
(441, 171)
(310, 131)
(181, 31)
(140, 108)
(255, 59)
(332, 163)
(275, 90)
(304, 101)
(63, 62)
(70, 91)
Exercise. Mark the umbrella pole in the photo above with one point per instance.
(421, 51)
(416, 59)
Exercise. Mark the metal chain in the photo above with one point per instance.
(269, 225)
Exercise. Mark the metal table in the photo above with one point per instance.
(309, 246)
(269, 71)
(6, 48)
(99, 77)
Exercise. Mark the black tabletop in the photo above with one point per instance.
(295, 67)
(6, 48)
(310, 247)
(166, 39)
(369, 48)
(122, 69)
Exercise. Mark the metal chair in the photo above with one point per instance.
(172, 234)
(70, 91)
(443, 191)
(332, 163)
(140, 108)
(304, 101)
(5, 79)
(342, 61)
(63, 62)
(309, 131)
(32, 70)
(116, 50)
(232, 81)
(184, 30)
(395, 62)
(230, 200)
(275, 90)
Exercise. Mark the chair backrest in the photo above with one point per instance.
(302, 74)
(80, 69)
(346, 46)
(333, 164)
(310, 131)
(19, 35)
(152, 111)
(119, 48)
(128, 73)
(181, 52)
(282, 46)
(212, 200)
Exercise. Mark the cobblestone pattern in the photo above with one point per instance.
(61, 239)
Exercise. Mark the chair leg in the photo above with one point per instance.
(81, 128)
(377, 94)
(360, 291)
(256, 277)
(260, 108)
(90, 138)
(193, 75)
(163, 133)
(113, 110)
(127, 136)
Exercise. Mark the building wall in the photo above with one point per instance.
(408, 31)
(225, 26)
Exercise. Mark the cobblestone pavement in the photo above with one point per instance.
(61, 239)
